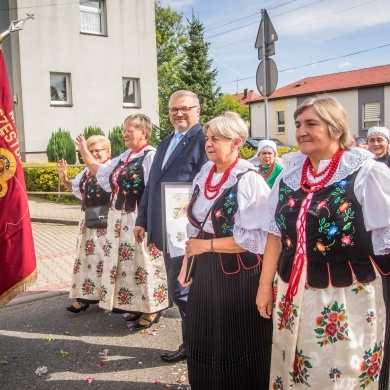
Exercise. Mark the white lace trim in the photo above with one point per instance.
(251, 240)
(350, 162)
(241, 167)
(381, 241)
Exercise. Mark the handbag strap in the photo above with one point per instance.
(203, 223)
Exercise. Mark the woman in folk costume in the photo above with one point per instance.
(87, 269)
(270, 164)
(328, 241)
(228, 344)
(134, 278)
(378, 143)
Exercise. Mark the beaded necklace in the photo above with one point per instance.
(309, 187)
(214, 190)
(265, 176)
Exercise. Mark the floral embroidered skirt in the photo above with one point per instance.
(134, 276)
(228, 343)
(88, 265)
(333, 338)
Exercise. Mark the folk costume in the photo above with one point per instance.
(228, 343)
(134, 277)
(88, 265)
(329, 315)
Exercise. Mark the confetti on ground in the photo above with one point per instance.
(167, 385)
(139, 363)
(182, 379)
(107, 312)
(144, 331)
(49, 338)
(64, 353)
(104, 353)
(4, 361)
(101, 364)
(90, 380)
(157, 383)
(40, 371)
(154, 332)
(67, 333)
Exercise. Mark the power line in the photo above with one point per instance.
(315, 62)
(40, 6)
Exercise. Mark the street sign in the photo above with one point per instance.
(267, 34)
(267, 77)
(269, 51)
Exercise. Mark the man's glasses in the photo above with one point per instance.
(183, 110)
(96, 151)
(127, 131)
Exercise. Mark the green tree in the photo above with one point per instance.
(197, 75)
(170, 40)
(117, 142)
(61, 146)
(232, 104)
(92, 130)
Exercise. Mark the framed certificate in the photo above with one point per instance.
(175, 199)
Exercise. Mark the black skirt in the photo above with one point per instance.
(384, 380)
(228, 343)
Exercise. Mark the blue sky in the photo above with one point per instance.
(316, 37)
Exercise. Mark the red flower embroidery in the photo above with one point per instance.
(291, 202)
(373, 369)
(321, 204)
(330, 329)
(346, 240)
(333, 317)
(218, 213)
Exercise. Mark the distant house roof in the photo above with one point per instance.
(368, 77)
(246, 96)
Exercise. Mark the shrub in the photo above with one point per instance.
(117, 142)
(246, 152)
(88, 132)
(61, 146)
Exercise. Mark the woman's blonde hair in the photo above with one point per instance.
(100, 139)
(333, 113)
(140, 121)
(229, 126)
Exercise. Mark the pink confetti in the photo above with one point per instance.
(101, 364)
(154, 332)
(157, 383)
(90, 380)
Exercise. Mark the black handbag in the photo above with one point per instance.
(96, 216)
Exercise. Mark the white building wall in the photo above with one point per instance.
(53, 43)
(387, 107)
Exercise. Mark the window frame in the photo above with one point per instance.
(281, 124)
(101, 10)
(68, 85)
(373, 109)
(137, 92)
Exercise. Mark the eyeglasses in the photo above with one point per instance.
(96, 151)
(183, 110)
(127, 131)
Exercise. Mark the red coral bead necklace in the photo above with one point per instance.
(265, 176)
(214, 190)
(308, 186)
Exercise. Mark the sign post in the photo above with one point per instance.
(267, 72)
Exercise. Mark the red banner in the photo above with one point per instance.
(18, 268)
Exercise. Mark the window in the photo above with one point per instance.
(371, 115)
(93, 17)
(281, 123)
(60, 90)
(131, 92)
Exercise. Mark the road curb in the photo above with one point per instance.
(37, 296)
(55, 220)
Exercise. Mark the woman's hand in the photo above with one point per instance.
(196, 246)
(265, 300)
(182, 274)
(61, 166)
(81, 144)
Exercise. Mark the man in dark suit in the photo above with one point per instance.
(179, 158)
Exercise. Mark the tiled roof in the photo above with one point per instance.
(368, 77)
(250, 95)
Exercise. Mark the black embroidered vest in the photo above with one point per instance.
(337, 243)
(92, 193)
(222, 216)
(130, 184)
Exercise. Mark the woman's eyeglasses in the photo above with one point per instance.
(127, 131)
(96, 151)
(183, 110)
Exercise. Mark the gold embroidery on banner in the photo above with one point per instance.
(7, 169)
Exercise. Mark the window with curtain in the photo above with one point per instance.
(371, 115)
(60, 89)
(281, 122)
(131, 92)
(93, 17)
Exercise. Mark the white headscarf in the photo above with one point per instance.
(265, 143)
(377, 130)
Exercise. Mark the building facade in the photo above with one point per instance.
(364, 94)
(78, 64)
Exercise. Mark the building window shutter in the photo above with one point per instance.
(371, 115)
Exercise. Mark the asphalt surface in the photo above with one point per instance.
(37, 331)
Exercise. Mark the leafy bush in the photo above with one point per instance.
(61, 146)
(88, 132)
(246, 152)
(44, 177)
(117, 142)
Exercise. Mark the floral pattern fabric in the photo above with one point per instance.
(134, 276)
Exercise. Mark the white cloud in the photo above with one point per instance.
(344, 65)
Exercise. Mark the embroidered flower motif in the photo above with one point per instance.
(332, 231)
(370, 365)
(99, 269)
(332, 325)
(124, 296)
(76, 266)
(343, 206)
(358, 287)
(90, 247)
(278, 384)
(322, 204)
(125, 252)
(113, 274)
(343, 183)
(107, 248)
(160, 294)
(335, 374)
(288, 242)
(371, 317)
(218, 213)
(154, 252)
(88, 287)
(300, 369)
(346, 240)
(141, 276)
(320, 246)
(291, 202)
(292, 314)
